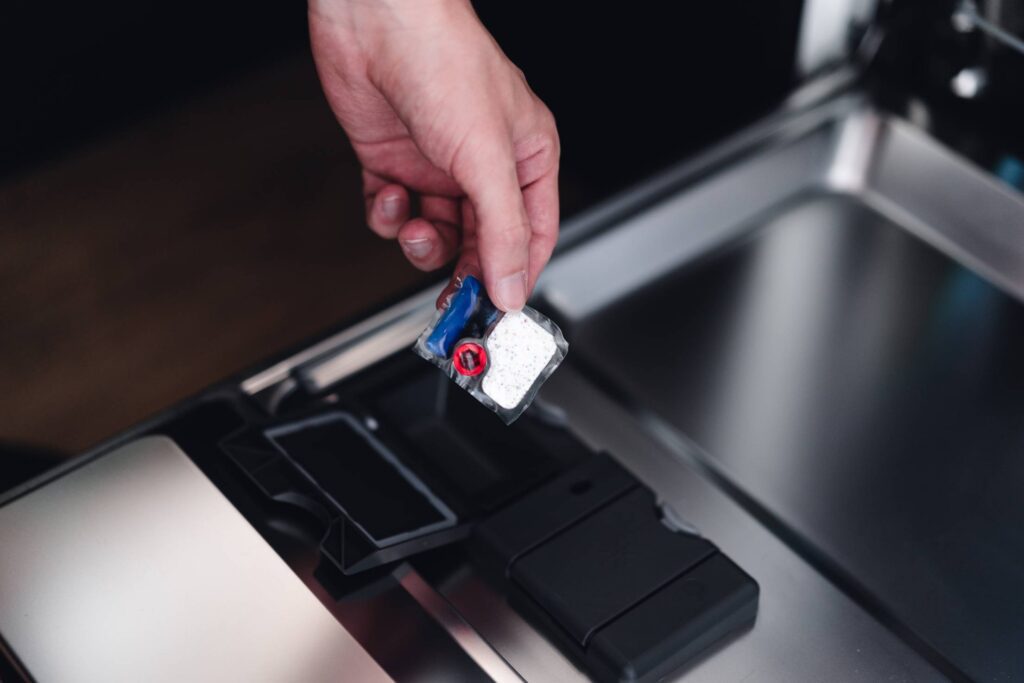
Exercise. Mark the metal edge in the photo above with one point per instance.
(970, 237)
(351, 335)
(451, 620)
(8, 657)
(213, 394)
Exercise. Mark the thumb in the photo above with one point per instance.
(485, 168)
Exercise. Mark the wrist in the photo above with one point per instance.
(369, 14)
(375, 35)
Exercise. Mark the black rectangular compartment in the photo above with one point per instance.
(589, 559)
(361, 477)
(373, 508)
(396, 461)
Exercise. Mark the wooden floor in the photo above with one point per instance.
(152, 263)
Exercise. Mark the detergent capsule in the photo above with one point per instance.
(501, 359)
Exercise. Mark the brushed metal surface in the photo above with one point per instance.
(134, 567)
(864, 389)
(847, 360)
(404, 315)
(882, 162)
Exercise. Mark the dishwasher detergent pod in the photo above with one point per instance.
(502, 359)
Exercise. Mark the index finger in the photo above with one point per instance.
(486, 169)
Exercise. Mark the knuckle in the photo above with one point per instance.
(430, 264)
(550, 128)
(556, 141)
(547, 240)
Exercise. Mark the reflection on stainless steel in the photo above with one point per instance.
(406, 640)
(848, 379)
(134, 567)
(969, 82)
(371, 327)
(467, 637)
(856, 142)
(531, 655)
(319, 374)
(825, 31)
(970, 215)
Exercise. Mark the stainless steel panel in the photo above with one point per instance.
(135, 568)
(571, 284)
(968, 214)
(490, 661)
(884, 163)
(849, 368)
(406, 317)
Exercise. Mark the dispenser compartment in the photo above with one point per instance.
(589, 559)
(396, 461)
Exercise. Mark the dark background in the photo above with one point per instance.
(177, 203)
(665, 77)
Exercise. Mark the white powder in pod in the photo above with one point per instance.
(518, 349)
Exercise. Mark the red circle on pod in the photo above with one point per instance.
(469, 359)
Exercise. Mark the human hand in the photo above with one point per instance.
(437, 113)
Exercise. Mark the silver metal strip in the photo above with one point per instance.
(967, 15)
(951, 204)
(366, 330)
(360, 353)
(492, 663)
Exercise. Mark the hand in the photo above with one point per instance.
(437, 113)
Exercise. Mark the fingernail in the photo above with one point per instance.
(510, 291)
(391, 206)
(417, 248)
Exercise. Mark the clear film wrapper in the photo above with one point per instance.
(501, 359)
